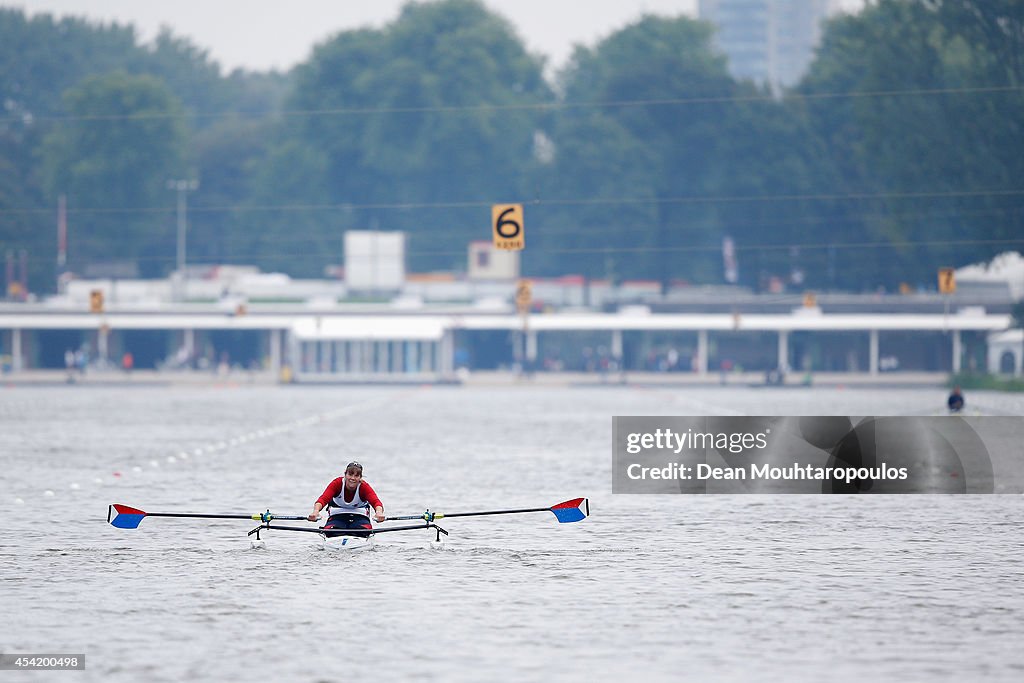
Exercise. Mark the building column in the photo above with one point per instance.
(17, 362)
(617, 346)
(957, 351)
(531, 346)
(295, 359)
(102, 344)
(412, 356)
(873, 352)
(702, 352)
(427, 356)
(446, 350)
(357, 350)
(397, 357)
(783, 361)
(275, 352)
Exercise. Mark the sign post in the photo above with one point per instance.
(947, 286)
(524, 298)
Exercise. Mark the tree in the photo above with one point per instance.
(923, 130)
(125, 139)
(434, 108)
(653, 112)
(41, 58)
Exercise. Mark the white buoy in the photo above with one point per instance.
(154, 463)
(136, 469)
(19, 501)
(198, 451)
(183, 455)
(75, 486)
(48, 493)
(97, 480)
(171, 459)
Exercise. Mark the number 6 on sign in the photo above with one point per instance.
(507, 223)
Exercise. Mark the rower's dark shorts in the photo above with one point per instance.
(347, 521)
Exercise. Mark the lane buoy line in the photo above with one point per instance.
(233, 442)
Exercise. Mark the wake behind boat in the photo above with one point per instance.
(127, 517)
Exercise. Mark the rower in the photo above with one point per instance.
(955, 402)
(349, 500)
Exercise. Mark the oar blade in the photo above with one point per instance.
(124, 517)
(572, 510)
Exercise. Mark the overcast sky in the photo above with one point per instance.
(265, 34)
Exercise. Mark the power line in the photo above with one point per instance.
(525, 106)
(585, 201)
(436, 233)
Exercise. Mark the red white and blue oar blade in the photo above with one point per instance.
(124, 517)
(572, 510)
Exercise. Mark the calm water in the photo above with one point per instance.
(717, 587)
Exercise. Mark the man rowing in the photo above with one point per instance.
(955, 402)
(348, 500)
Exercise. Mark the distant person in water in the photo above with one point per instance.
(955, 401)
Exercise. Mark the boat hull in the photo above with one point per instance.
(345, 544)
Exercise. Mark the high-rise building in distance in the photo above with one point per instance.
(768, 41)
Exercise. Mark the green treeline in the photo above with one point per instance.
(902, 150)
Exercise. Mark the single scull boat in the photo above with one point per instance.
(126, 517)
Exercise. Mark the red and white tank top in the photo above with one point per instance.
(356, 506)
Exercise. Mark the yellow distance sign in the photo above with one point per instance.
(508, 228)
(524, 296)
(947, 281)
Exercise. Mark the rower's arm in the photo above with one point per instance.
(332, 490)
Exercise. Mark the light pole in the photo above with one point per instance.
(183, 187)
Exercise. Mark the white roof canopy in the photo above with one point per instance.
(407, 328)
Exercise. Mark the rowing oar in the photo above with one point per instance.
(570, 511)
(124, 517)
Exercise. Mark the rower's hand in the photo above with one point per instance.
(379, 516)
(313, 516)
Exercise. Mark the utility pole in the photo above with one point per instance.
(182, 187)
